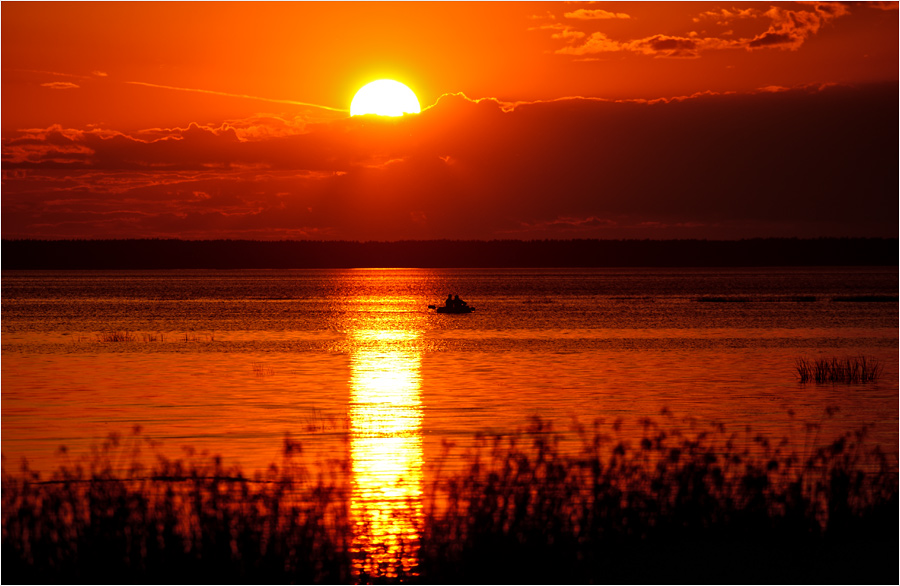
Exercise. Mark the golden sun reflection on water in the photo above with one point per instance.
(386, 452)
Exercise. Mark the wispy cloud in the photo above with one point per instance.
(597, 14)
(60, 85)
(656, 46)
(725, 17)
(563, 31)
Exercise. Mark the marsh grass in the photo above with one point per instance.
(110, 337)
(315, 421)
(680, 504)
(260, 370)
(149, 337)
(186, 521)
(198, 337)
(849, 369)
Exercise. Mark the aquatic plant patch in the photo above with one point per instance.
(847, 369)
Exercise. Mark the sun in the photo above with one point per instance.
(384, 97)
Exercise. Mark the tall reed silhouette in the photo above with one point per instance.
(849, 369)
(679, 504)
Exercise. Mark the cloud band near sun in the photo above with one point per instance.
(738, 165)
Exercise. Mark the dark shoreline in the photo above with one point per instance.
(164, 254)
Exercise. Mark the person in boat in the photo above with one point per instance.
(449, 303)
(459, 303)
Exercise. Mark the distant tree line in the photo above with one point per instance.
(289, 254)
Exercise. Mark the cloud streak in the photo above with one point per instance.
(243, 96)
(60, 85)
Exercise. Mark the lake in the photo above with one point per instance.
(230, 361)
(354, 366)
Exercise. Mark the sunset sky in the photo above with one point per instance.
(539, 120)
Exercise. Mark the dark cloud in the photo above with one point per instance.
(789, 29)
(786, 29)
(671, 46)
(812, 161)
(655, 46)
(770, 39)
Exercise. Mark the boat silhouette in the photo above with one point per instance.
(452, 309)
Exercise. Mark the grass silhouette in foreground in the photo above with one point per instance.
(696, 505)
(849, 369)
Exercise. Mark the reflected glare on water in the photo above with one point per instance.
(386, 452)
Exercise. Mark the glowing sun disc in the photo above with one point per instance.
(384, 97)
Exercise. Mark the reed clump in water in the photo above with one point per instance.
(849, 369)
(198, 337)
(680, 505)
(116, 337)
(148, 337)
(261, 370)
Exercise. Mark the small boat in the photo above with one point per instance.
(455, 310)
(463, 309)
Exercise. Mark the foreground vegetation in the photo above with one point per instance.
(680, 505)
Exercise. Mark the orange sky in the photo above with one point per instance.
(210, 120)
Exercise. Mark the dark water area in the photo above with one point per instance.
(354, 367)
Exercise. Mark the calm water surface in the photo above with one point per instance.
(353, 365)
